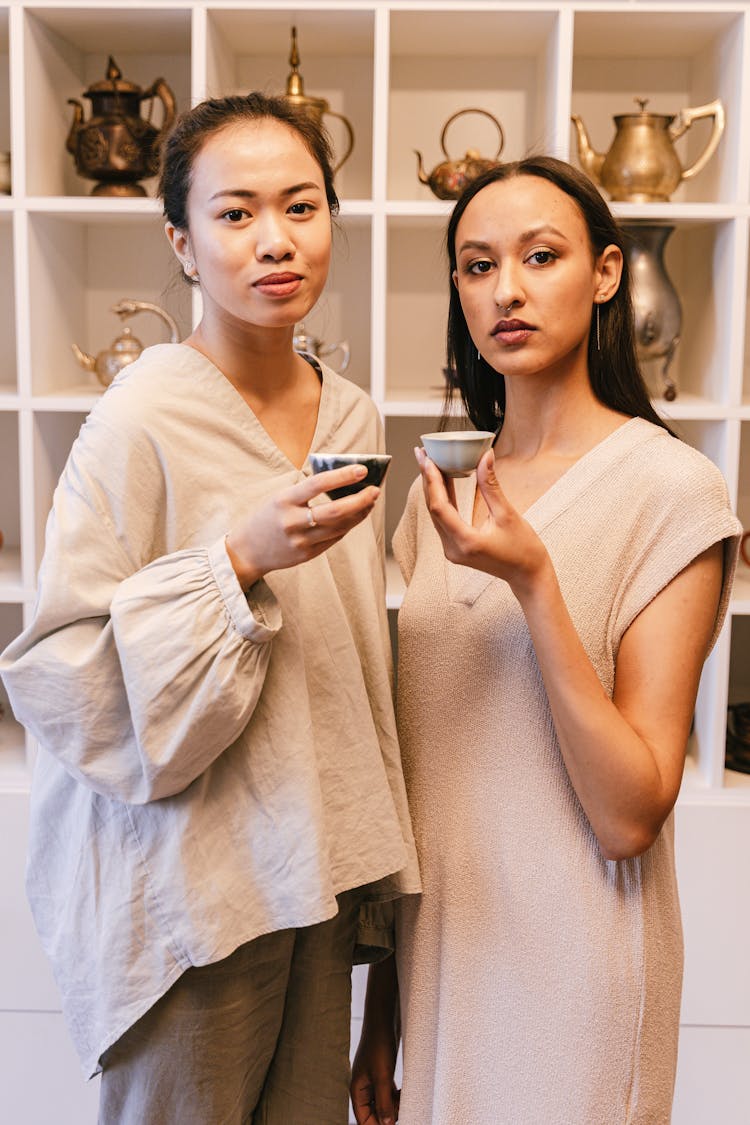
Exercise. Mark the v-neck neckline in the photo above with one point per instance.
(556, 493)
(245, 414)
(466, 584)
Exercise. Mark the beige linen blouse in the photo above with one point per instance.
(212, 766)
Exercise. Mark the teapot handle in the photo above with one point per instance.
(485, 113)
(159, 89)
(129, 306)
(343, 347)
(685, 119)
(350, 137)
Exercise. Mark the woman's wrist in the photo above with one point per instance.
(536, 582)
(247, 574)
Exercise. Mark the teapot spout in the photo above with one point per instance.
(75, 125)
(591, 161)
(423, 177)
(87, 362)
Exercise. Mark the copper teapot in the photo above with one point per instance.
(447, 180)
(642, 165)
(116, 146)
(127, 347)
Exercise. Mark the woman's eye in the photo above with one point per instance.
(542, 257)
(301, 208)
(236, 215)
(481, 266)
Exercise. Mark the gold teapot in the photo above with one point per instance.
(448, 180)
(316, 108)
(116, 146)
(127, 347)
(642, 165)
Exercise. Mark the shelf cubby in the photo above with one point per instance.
(10, 513)
(441, 62)
(66, 50)
(8, 371)
(79, 266)
(13, 763)
(54, 434)
(249, 50)
(676, 60)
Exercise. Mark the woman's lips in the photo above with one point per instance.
(278, 284)
(512, 331)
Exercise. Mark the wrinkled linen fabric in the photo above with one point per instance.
(212, 766)
(539, 981)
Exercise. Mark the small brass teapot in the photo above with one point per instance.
(316, 108)
(642, 165)
(127, 347)
(447, 180)
(116, 146)
(312, 346)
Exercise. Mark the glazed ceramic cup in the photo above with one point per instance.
(375, 463)
(457, 452)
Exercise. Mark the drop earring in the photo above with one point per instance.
(479, 356)
(598, 338)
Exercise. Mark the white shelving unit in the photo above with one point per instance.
(397, 69)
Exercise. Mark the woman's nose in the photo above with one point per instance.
(508, 290)
(272, 240)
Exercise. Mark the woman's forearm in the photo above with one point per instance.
(625, 755)
(613, 771)
(381, 1011)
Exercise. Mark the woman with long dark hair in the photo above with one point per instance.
(559, 607)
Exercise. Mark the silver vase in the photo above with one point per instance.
(658, 312)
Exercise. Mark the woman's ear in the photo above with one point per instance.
(454, 278)
(608, 272)
(179, 240)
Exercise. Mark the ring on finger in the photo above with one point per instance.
(311, 520)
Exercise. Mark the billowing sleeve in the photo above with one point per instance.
(684, 510)
(405, 535)
(139, 666)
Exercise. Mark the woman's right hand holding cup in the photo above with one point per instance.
(288, 529)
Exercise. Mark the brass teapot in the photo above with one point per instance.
(310, 345)
(116, 146)
(127, 347)
(316, 108)
(448, 180)
(642, 165)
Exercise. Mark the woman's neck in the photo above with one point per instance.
(563, 417)
(260, 362)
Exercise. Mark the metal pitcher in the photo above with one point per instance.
(642, 165)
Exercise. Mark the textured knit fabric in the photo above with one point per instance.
(540, 982)
(213, 766)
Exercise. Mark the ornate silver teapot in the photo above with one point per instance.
(311, 345)
(448, 180)
(127, 347)
(642, 165)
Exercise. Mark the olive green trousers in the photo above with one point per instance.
(260, 1038)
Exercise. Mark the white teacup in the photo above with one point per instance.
(457, 452)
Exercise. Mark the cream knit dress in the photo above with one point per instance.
(540, 982)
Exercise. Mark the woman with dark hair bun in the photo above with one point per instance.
(560, 604)
(218, 798)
